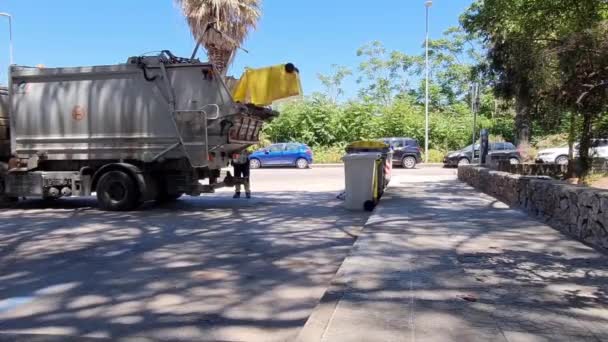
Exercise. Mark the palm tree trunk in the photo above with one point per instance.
(220, 58)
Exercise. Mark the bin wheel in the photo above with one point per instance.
(369, 205)
(408, 162)
(117, 191)
(302, 163)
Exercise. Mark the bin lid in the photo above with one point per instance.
(363, 156)
(367, 146)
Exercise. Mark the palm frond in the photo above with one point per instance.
(234, 18)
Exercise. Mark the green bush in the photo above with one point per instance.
(548, 141)
(328, 155)
(435, 156)
(319, 122)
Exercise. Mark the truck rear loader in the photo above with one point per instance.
(149, 129)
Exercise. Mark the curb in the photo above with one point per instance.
(322, 166)
(419, 166)
(317, 323)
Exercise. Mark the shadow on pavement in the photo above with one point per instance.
(439, 260)
(208, 268)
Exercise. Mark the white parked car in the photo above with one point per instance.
(559, 155)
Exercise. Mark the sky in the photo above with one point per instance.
(312, 34)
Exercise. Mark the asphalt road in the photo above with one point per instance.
(206, 268)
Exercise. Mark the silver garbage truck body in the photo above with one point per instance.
(147, 129)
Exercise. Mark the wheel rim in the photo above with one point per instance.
(513, 161)
(116, 191)
(254, 163)
(562, 161)
(409, 162)
(302, 163)
(463, 162)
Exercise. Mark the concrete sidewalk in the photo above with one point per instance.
(439, 261)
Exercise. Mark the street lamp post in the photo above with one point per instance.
(428, 5)
(10, 34)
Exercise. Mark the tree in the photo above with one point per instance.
(333, 81)
(221, 26)
(452, 60)
(383, 75)
(522, 37)
(583, 60)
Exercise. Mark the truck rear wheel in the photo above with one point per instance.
(116, 191)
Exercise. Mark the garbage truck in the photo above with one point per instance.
(153, 128)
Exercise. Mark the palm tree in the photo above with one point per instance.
(230, 22)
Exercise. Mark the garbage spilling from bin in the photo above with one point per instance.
(367, 169)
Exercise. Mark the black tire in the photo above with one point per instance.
(302, 163)
(117, 191)
(562, 160)
(408, 162)
(463, 161)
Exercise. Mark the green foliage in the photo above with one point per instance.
(320, 123)
(333, 81)
(549, 141)
(328, 155)
(552, 58)
(390, 101)
(436, 156)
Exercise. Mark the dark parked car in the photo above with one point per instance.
(502, 150)
(406, 151)
(288, 154)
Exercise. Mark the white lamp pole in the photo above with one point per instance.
(10, 34)
(428, 5)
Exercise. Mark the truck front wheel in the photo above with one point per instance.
(116, 191)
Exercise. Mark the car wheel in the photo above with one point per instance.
(408, 162)
(302, 163)
(116, 191)
(463, 161)
(513, 161)
(255, 164)
(561, 160)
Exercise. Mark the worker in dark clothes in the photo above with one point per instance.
(240, 162)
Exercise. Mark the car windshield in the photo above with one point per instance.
(469, 147)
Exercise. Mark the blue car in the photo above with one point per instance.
(288, 154)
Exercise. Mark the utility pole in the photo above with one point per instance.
(474, 109)
(428, 5)
(10, 34)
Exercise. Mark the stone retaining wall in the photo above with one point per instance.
(552, 170)
(581, 212)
